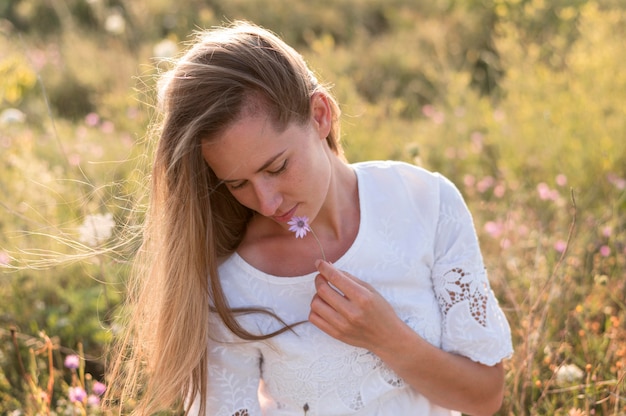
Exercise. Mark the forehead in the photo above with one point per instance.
(245, 146)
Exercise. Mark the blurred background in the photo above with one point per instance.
(520, 102)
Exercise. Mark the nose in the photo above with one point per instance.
(268, 198)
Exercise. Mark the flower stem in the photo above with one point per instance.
(318, 243)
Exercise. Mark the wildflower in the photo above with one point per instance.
(617, 181)
(72, 361)
(494, 229)
(12, 115)
(165, 49)
(560, 246)
(115, 24)
(4, 258)
(96, 229)
(77, 394)
(92, 119)
(569, 373)
(299, 225)
(544, 191)
(605, 251)
(98, 388)
(485, 183)
(93, 400)
(561, 179)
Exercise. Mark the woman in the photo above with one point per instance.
(277, 279)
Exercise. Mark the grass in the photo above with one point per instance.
(535, 144)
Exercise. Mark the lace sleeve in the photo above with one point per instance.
(473, 324)
(234, 374)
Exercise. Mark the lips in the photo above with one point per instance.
(287, 216)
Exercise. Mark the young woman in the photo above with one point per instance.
(277, 279)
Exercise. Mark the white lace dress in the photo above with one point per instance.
(417, 246)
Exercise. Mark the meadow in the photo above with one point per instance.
(519, 102)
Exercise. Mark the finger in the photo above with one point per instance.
(348, 285)
(326, 318)
(329, 294)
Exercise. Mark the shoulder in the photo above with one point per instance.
(393, 174)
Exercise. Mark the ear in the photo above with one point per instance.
(321, 114)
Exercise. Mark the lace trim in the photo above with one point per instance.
(459, 286)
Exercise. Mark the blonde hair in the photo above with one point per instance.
(193, 221)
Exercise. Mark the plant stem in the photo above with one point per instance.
(318, 243)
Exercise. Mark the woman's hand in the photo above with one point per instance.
(351, 310)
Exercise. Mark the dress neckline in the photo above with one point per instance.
(253, 271)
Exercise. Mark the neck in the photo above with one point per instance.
(340, 214)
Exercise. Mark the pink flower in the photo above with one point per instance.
(92, 119)
(299, 225)
(605, 251)
(98, 388)
(93, 400)
(4, 258)
(560, 246)
(545, 193)
(617, 181)
(494, 229)
(485, 183)
(469, 181)
(561, 179)
(77, 394)
(72, 361)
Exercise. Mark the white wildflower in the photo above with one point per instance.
(568, 374)
(12, 115)
(115, 23)
(166, 48)
(96, 229)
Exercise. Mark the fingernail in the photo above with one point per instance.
(318, 262)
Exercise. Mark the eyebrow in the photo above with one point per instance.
(265, 165)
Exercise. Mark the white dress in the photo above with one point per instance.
(417, 246)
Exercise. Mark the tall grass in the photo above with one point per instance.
(520, 103)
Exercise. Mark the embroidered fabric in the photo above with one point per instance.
(422, 256)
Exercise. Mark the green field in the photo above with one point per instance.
(521, 103)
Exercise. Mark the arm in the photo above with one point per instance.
(363, 318)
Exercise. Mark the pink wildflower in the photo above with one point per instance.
(299, 225)
(4, 258)
(72, 361)
(605, 251)
(560, 246)
(93, 400)
(98, 388)
(77, 394)
(561, 179)
(617, 181)
(485, 183)
(494, 229)
(92, 119)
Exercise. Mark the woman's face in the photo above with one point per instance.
(277, 173)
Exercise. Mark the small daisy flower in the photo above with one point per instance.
(299, 225)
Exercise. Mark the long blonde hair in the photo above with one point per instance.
(193, 221)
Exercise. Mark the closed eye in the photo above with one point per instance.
(237, 185)
(278, 171)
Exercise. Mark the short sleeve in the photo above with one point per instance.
(473, 323)
(234, 373)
